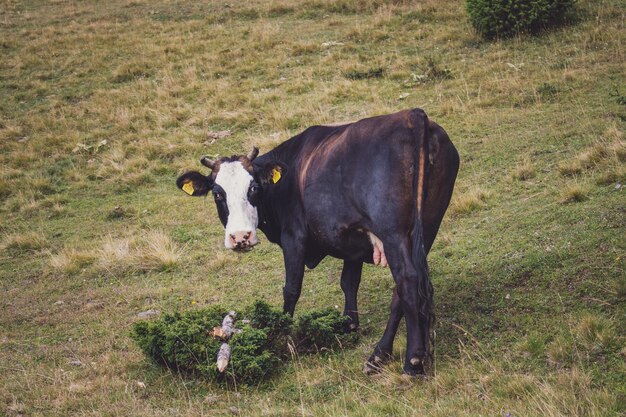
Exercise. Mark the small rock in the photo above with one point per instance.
(94, 305)
(507, 297)
(331, 43)
(141, 384)
(117, 212)
(219, 135)
(148, 313)
(234, 410)
(403, 96)
(618, 186)
(59, 303)
(211, 399)
(81, 147)
(76, 363)
(515, 67)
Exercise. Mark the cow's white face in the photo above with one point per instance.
(235, 184)
(235, 192)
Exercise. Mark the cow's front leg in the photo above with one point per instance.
(350, 280)
(293, 253)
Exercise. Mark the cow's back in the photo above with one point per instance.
(350, 179)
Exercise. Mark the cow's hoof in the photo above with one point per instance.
(376, 363)
(415, 368)
(350, 326)
(372, 367)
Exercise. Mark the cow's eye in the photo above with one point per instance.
(218, 196)
(254, 188)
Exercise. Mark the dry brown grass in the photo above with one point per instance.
(157, 251)
(470, 201)
(570, 168)
(143, 252)
(115, 254)
(612, 176)
(559, 352)
(525, 170)
(574, 193)
(151, 250)
(24, 242)
(607, 153)
(70, 261)
(595, 334)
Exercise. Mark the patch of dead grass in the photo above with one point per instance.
(595, 334)
(221, 259)
(559, 351)
(607, 153)
(470, 201)
(525, 170)
(149, 251)
(574, 193)
(24, 242)
(612, 176)
(157, 252)
(70, 261)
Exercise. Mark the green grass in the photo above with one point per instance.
(103, 104)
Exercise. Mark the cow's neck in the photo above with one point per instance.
(267, 223)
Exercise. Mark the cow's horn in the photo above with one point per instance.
(207, 162)
(253, 153)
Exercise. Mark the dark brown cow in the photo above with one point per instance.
(371, 191)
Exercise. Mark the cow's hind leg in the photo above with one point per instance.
(407, 277)
(384, 348)
(350, 280)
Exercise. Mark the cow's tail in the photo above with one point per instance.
(419, 125)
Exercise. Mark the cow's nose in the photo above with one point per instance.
(240, 240)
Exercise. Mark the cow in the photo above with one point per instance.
(371, 191)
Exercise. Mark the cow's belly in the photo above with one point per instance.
(337, 225)
(345, 242)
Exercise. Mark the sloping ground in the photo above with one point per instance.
(103, 104)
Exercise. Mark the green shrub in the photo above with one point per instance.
(320, 330)
(252, 359)
(264, 316)
(183, 341)
(276, 324)
(493, 18)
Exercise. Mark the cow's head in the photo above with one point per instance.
(237, 186)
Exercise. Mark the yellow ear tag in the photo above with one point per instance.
(188, 188)
(275, 176)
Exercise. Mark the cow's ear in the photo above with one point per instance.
(271, 173)
(194, 183)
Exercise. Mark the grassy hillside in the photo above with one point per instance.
(103, 104)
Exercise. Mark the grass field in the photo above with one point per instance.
(103, 104)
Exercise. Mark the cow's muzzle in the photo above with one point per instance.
(242, 241)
